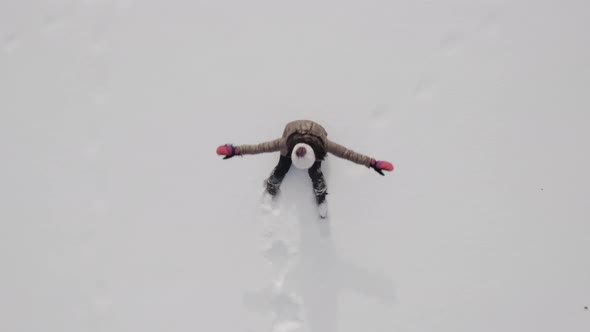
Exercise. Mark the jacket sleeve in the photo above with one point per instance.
(270, 146)
(345, 153)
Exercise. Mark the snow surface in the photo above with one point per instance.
(116, 214)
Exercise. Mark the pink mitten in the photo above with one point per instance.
(379, 166)
(228, 151)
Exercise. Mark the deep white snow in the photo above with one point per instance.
(117, 215)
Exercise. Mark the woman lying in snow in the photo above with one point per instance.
(305, 144)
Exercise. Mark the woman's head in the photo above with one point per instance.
(303, 156)
(305, 150)
(316, 144)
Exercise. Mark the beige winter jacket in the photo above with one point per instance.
(305, 127)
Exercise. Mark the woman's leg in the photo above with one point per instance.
(277, 175)
(318, 181)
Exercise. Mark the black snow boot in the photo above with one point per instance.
(277, 175)
(319, 182)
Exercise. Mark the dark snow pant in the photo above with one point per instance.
(315, 173)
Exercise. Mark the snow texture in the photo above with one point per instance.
(117, 215)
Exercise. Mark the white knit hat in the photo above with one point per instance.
(303, 156)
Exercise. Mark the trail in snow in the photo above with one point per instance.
(308, 274)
